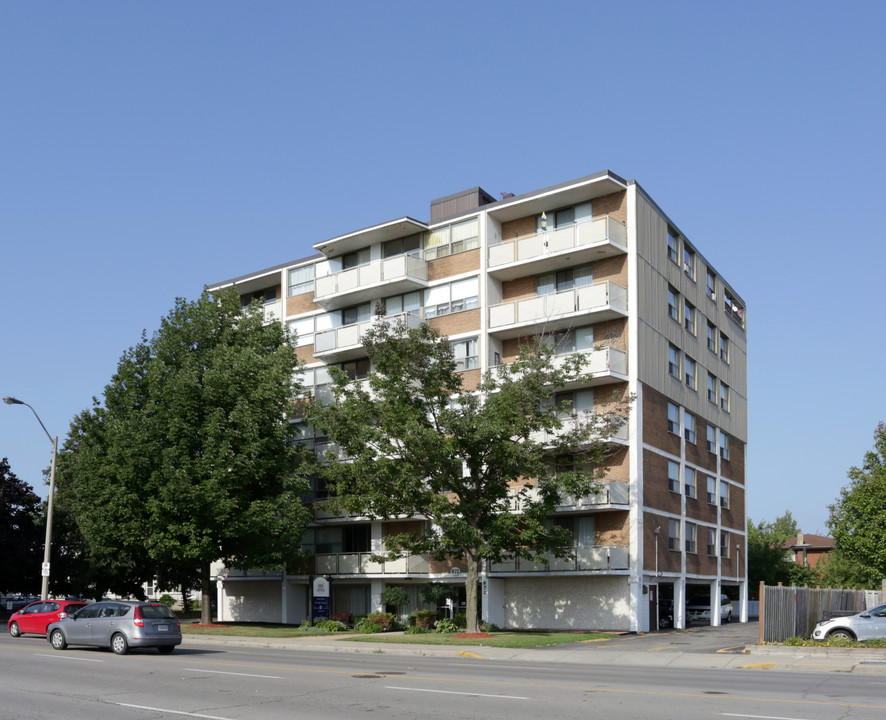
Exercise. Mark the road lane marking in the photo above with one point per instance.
(452, 692)
(760, 717)
(171, 712)
(758, 666)
(67, 657)
(222, 672)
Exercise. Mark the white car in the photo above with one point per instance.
(698, 607)
(866, 625)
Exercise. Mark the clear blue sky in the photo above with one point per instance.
(147, 149)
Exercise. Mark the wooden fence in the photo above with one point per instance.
(789, 611)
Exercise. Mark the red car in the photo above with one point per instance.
(34, 618)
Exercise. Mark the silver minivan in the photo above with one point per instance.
(119, 625)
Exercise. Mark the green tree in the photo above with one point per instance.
(21, 533)
(187, 460)
(858, 518)
(419, 444)
(767, 557)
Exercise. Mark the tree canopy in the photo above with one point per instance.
(486, 467)
(858, 517)
(767, 556)
(21, 533)
(187, 458)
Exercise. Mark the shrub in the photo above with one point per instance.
(395, 596)
(166, 599)
(367, 626)
(461, 619)
(418, 630)
(422, 618)
(342, 618)
(331, 625)
(387, 621)
(446, 626)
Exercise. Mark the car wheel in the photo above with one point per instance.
(841, 633)
(165, 649)
(729, 618)
(15, 630)
(57, 640)
(119, 644)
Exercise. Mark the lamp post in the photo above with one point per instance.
(47, 545)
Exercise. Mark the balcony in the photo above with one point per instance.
(592, 303)
(605, 364)
(272, 312)
(611, 493)
(360, 284)
(599, 558)
(570, 423)
(367, 563)
(346, 342)
(564, 247)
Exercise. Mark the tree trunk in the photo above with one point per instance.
(471, 597)
(205, 595)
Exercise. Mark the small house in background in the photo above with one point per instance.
(808, 550)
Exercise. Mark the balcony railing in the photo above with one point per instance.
(399, 274)
(572, 423)
(367, 563)
(597, 234)
(338, 343)
(605, 299)
(596, 558)
(610, 493)
(272, 312)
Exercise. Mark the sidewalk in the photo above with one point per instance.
(756, 657)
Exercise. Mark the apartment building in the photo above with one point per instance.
(597, 264)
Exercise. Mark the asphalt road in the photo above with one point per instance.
(211, 680)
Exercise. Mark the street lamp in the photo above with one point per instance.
(44, 571)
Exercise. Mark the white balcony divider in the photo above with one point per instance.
(544, 307)
(272, 312)
(530, 247)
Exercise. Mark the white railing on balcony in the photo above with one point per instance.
(530, 247)
(569, 424)
(610, 493)
(351, 335)
(399, 267)
(599, 296)
(272, 312)
(363, 563)
(597, 557)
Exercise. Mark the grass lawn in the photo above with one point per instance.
(498, 639)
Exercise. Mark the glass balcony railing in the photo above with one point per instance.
(595, 558)
(606, 299)
(604, 231)
(367, 563)
(398, 274)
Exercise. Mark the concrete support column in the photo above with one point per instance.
(375, 589)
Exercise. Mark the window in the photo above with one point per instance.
(712, 491)
(712, 389)
(689, 318)
(673, 476)
(724, 397)
(688, 262)
(712, 542)
(301, 280)
(406, 303)
(712, 439)
(564, 280)
(673, 419)
(355, 259)
(562, 342)
(263, 297)
(712, 338)
(724, 544)
(304, 328)
(674, 535)
(402, 246)
(451, 239)
(453, 297)
(724, 348)
(571, 404)
(466, 354)
(724, 446)
(724, 495)
(355, 314)
(689, 427)
(672, 245)
(565, 217)
(356, 369)
(691, 531)
(674, 361)
(690, 372)
(711, 287)
(733, 309)
(689, 482)
(673, 304)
